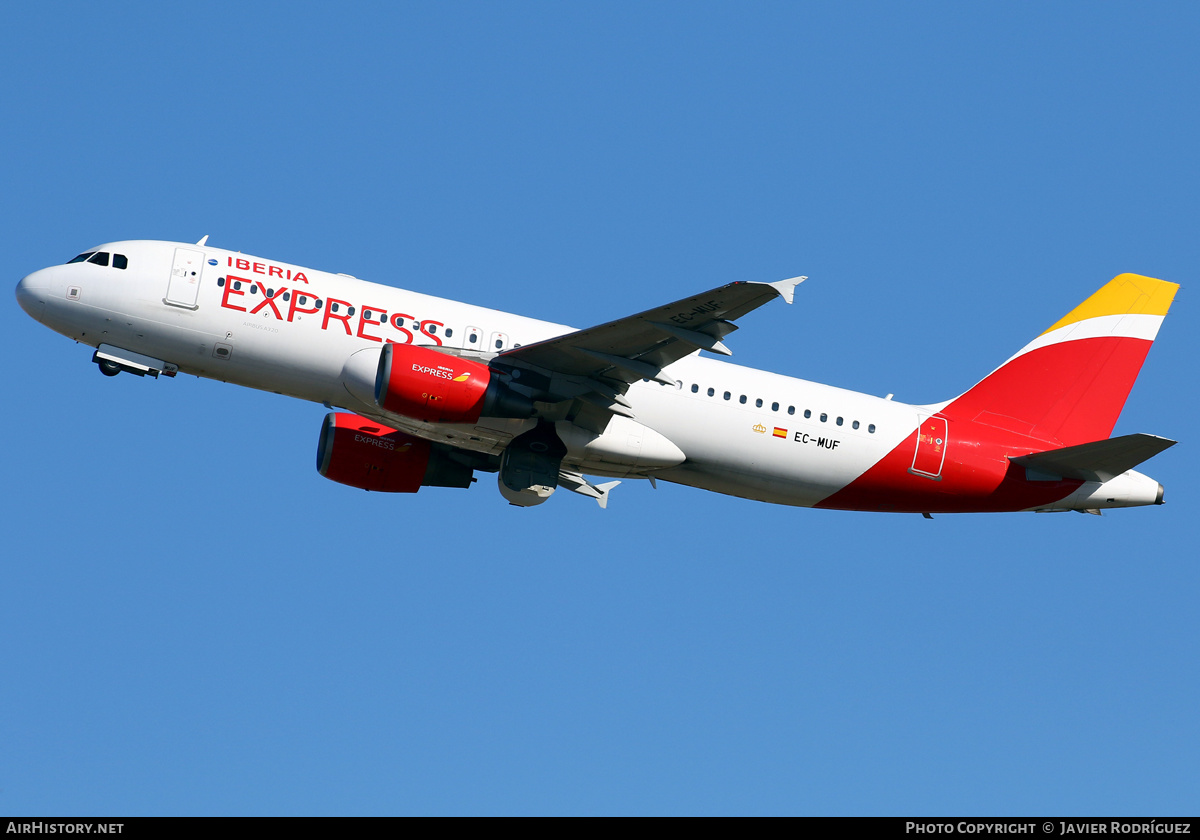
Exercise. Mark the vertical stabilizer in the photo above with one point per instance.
(1069, 384)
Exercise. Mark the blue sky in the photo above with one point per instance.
(195, 622)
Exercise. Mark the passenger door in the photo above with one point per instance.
(186, 273)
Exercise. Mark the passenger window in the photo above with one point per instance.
(824, 417)
(120, 261)
(350, 311)
(758, 403)
(100, 258)
(471, 338)
(774, 406)
(449, 332)
(695, 388)
(727, 395)
(791, 409)
(81, 257)
(742, 399)
(839, 421)
(871, 428)
(499, 343)
(711, 392)
(432, 328)
(854, 425)
(807, 413)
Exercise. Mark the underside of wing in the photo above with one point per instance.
(630, 348)
(594, 367)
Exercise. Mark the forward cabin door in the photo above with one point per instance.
(186, 272)
(931, 448)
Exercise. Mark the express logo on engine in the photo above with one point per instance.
(440, 373)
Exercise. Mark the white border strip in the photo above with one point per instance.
(1123, 326)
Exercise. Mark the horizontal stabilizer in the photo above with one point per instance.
(1099, 460)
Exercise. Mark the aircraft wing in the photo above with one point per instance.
(640, 346)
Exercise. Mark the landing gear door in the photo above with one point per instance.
(931, 448)
(186, 272)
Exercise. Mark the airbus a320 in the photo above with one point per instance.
(432, 391)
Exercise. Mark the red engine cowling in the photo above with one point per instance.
(440, 388)
(362, 453)
(430, 386)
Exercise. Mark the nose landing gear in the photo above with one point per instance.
(108, 368)
(112, 360)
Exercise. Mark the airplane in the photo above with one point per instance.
(429, 391)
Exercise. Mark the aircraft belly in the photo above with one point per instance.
(742, 485)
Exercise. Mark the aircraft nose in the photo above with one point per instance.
(31, 294)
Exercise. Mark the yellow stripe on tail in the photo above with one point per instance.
(1125, 294)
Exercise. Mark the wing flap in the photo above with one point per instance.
(576, 483)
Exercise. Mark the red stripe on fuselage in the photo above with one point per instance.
(976, 476)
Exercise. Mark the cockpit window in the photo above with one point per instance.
(81, 257)
(100, 258)
(120, 261)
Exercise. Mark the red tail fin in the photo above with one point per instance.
(1069, 384)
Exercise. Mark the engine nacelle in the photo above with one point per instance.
(370, 456)
(441, 388)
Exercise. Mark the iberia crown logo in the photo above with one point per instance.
(760, 428)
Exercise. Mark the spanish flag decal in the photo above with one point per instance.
(780, 433)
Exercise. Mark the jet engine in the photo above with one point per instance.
(440, 388)
(362, 453)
